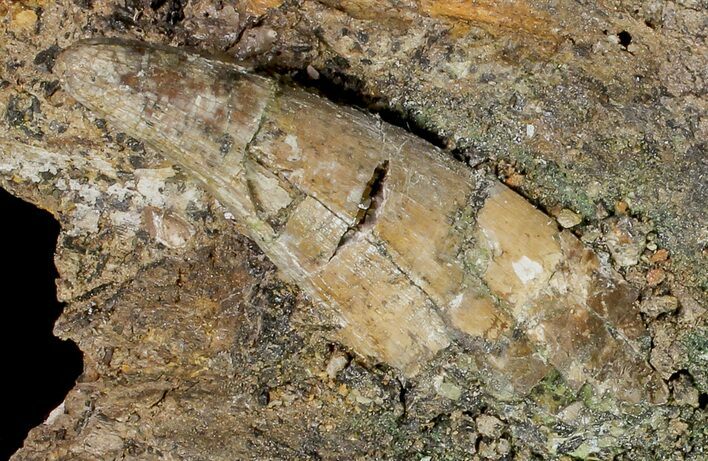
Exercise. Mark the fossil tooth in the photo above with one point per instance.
(412, 250)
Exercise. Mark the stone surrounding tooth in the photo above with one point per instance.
(489, 426)
(336, 363)
(567, 218)
(626, 239)
(411, 249)
(657, 305)
(168, 229)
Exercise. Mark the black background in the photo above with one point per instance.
(38, 368)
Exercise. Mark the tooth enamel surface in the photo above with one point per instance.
(412, 250)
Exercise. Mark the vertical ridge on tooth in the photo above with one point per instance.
(410, 249)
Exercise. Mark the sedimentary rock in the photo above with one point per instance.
(412, 250)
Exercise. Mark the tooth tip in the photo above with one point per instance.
(62, 62)
(77, 66)
(71, 58)
(80, 53)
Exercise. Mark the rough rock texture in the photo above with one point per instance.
(193, 347)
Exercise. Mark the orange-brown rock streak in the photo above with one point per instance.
(510, 16)
(411, 249)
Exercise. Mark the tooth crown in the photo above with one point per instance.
(411, 249)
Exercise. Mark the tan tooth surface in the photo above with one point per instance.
(411, 249)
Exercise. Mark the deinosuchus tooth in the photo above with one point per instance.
(408, 247)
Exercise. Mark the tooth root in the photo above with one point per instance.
(550, 282)
(409, 248)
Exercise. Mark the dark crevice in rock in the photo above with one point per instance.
(40, 368)
(336, 84)
(372, 198)
(625, 38)
(403, 390)
(174, 10)
(369, 205)
(165, 15)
